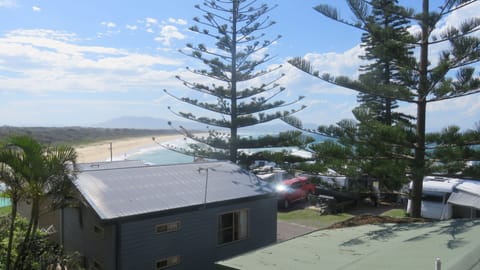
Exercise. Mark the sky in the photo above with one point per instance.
(78, 63)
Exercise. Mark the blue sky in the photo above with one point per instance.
(65, 63)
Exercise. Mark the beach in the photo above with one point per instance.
(121, 148)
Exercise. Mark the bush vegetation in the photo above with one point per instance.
(77, 135)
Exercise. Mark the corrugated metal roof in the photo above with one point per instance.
(123, 192)
(109, 165)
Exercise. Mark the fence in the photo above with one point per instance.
(4, 202)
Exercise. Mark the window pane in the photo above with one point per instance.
(226, 220)
(227, 236)
(242, 226)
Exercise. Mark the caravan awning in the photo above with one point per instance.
(465, 199)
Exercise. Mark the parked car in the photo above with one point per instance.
(293, 190)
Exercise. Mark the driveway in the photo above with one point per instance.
(287, 230)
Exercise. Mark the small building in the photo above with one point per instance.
(453, 244)
(184, 216)
(445, 198)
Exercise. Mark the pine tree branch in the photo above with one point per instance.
(247, 77)
(344, 82)
(266, 87)
(452, 9)
(202, 51)
(250, 121)
(442, 98)
(213, 107)
(445, 39)
(204, 120)
(217, 76)
(246, 109)
(296, 123)
(332, 13)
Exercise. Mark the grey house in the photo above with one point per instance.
(184, 216)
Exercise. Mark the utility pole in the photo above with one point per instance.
(111, 152)
(206, 185)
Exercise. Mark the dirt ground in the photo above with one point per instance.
(371, 219)
(366, 214)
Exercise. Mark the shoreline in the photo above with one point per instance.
(121, 148)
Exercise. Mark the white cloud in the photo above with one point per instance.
(167, 33)
(177, 21)
(8, 3)
(36, 9)
(109, 24)
(131, 27)
(346, 63)
(151, 21)
(46, 60)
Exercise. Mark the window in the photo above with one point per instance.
(432, 198)
(168, 227)
(232, 226)
(167, 262)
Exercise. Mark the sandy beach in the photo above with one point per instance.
(100, 151)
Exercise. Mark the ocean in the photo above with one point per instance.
(162, 156)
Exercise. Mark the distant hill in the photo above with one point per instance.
(143, 122)
(78, 135)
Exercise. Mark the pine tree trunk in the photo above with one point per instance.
(419, 166)
(233, 119)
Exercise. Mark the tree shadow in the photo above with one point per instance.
(454, 228)
(387, 231)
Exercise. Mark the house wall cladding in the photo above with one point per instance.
(196, 241)
(81, 236)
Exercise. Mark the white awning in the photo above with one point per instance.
(465, 199)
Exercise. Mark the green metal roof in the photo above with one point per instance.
(385, 246)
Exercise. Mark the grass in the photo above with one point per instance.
(398, 213)
(5, 210)
(311, 218)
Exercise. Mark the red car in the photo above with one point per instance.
(292, 190)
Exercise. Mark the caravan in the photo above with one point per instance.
(445, 198)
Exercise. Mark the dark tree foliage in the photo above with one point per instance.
(239, 94)
(454, 153)
(431, 78)
(41, 176)
(387, 47)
